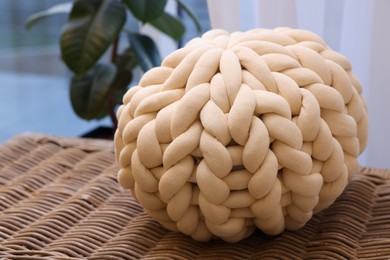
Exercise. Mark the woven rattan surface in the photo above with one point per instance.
(59, 199)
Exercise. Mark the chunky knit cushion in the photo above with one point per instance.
(243, 130)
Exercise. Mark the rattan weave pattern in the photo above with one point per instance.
(59, 199)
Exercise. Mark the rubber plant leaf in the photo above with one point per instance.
(92, 27)
(146, 10)
(89, 92)
(125, 64)
(169, 25)
(145, 50)
(63, 8)
(190, 14)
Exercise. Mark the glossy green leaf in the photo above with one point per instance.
(190, 14)
(169, 25)
(92, 27)
(125, 64)
(126, 60)
(145, 50)
(146, 10)
(63, 8)
(89, 93)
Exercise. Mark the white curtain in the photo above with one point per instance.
(359, 29)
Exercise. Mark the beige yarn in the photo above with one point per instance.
(233, 132)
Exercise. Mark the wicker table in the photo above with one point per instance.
(59, 199)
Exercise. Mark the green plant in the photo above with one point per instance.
(92, 27)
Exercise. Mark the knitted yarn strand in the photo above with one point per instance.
(257, 129)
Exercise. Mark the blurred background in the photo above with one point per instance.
(34, 82)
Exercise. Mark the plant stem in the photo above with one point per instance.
(111, 108)
(112, 93)
(114, 50)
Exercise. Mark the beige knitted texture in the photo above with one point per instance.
(243, 130)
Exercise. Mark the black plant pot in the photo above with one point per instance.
(101, 132)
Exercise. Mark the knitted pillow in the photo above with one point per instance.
(237, 131)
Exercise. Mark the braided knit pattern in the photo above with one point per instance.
(237, 131)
